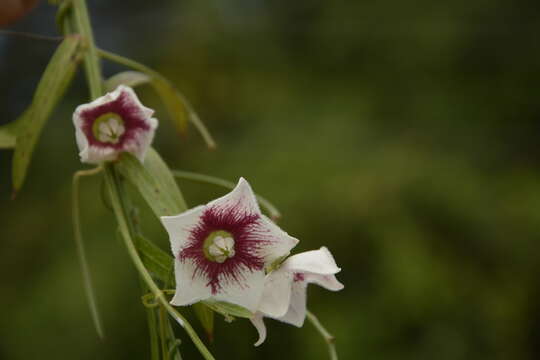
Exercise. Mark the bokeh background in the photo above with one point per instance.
(403, 136)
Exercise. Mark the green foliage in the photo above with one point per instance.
(55, 80)
(7, 137)
(153, 181)
(128, 78)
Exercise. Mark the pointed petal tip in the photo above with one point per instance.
(258, 322)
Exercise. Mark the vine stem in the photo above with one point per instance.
(93, 73)
(91, 59)
(207, 179)
(112, 181)
(81, 253)
(328, 338)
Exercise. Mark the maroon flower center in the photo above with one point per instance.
(113, 123)
(237, 243)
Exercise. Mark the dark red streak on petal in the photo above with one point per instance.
(247, 242)
(128, 110)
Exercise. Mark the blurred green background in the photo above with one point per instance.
(403, 136)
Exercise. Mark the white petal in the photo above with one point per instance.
(241, 199)
(134, 99)
(95, 155)
(138, 146)
(314, 261)
(297, 309)
(246, 293)
(142, 140)
(190, 287)
(82, 144)
(279, 242)
(328, 282)
(258, 321)
(277, 293)
(179, 227)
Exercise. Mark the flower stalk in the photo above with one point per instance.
(328, 338)
(82, 25)
(113, 185)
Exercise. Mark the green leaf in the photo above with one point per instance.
(150, 181)
(180, 110)
(53, 83)
(173, 101)
(157, 261)
(228, 309)
(206, 317)
(128, 78)
(178, 107)
(157, 167)
(8, 136)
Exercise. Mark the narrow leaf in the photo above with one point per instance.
(8, 136)
(180, 109)
(228, 309)
(157, 261)
(157, 167)
(128, 78)
(206, 317)
(149, 184)
(50, 90)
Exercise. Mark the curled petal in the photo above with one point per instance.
(258, 321)
(277, 293)
(328, 282)
(297, 308)
(315, 261)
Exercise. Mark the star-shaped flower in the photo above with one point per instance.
(284, 297)
(221, 249)
(114, 123)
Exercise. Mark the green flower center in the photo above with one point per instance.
(108, 128)
(219, 246)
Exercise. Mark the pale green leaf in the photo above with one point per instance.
(154, 182)
(228, 309)
(159, 169)
(158, 262)
(148, 185)
(206, 317)
(128, 78)
(8, 136)
(50, 90)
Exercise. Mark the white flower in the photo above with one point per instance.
(221, 249)
(114, 123)
(284, 296)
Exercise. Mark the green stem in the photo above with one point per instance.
(81, 253)
(207, 179)
(328, 338)
(118, 207)
(163, 333)
(154, 346)
(91, 58)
